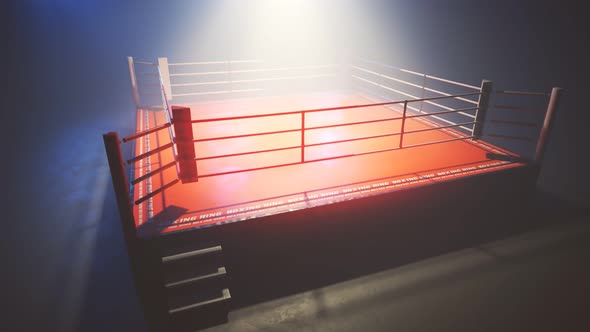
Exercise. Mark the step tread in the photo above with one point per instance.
(224, 296)
(193, 253)
(220, 272)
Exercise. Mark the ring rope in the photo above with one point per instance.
(252, 70)
(252, 80)
(334, 157)
(415, 85)
(214, 92)
(522, 93)
(423, 75)
(212, 62)
(412, 96)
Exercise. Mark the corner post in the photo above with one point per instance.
(183, 128)
(165, 77)
(482, 108)
(133, 78)
(548, 125)
(116, 164)
(144, 263)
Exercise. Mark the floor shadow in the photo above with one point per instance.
(161, 221)
(307, 251)
(110, 291)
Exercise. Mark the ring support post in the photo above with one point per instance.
(482, 108)
(117, 168)
(133, 79)
(547, 125)
(147, 286)
(183, 127)
(164, 72)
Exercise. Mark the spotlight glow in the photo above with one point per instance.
(290, 30)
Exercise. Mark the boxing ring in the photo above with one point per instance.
(220, 142)
(238, 148)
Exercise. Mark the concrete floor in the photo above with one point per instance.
(72, 273)
(535, 281)
(66, 268)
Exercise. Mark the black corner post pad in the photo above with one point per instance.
(505, 157)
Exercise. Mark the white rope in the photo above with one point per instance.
(213, 92)
(522, 93)
(441, 79)
(415, 97)
(422, 75)
(252, 70)
(212, 62)
(144, 63)
(253, 80)
(416, 85)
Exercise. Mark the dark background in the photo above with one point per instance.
(67, 83)
(68, 65)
